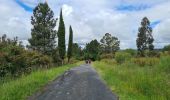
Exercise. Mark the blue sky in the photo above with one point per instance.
(23, 5)
(130, 8)
(92, 19)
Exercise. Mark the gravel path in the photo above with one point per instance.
(80, 83)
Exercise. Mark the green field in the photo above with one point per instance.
(131, 81)
(21, 88)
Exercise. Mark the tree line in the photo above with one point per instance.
(47, 46)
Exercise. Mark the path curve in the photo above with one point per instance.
(79, 83)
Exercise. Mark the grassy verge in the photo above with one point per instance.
(25, 86)
(132, 82)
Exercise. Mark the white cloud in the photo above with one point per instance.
(67, 10)
(91, 19)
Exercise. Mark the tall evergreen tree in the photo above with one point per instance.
(70, 44)
(145, 38)
(43, 33)
(61, 38)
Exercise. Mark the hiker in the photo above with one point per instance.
(89, 61)
(86, 61)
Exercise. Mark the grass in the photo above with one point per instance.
(25, 86)
(133, 82)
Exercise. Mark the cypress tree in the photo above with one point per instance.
(43, 33)
(61, 38)
(70, 44)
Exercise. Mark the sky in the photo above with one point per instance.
(91, 19)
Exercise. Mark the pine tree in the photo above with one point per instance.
(70, 44)
(43, 33)
(145, 38)
(61, 38)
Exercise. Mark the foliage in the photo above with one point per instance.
(61, 38)
(132, 82)
(107, 56)
(132, 52)
(43, 33)
(77, 51)
(121, 57)
(25, 86)
(145, 38)
(109, 61)
(56, 57)
(15, 60)
(152, 53)
(166, 48)
(70, 44)
(92, 50)
(146, 61)
(109, 43)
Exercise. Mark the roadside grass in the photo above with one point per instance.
(25, 86)
(130, 81)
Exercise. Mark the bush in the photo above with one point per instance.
(132, 52)
(151, 53)
(166, 48)
(145, 61)
(121, 57)
(107, 56)
(17, 61)
(109, 61)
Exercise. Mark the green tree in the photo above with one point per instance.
(43, 33)
(166, 48)
(109, 43)
(77, 51)
(92, 50)
(61, 38)
(145, 39)
(70, 44)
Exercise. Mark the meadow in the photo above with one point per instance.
(137, 78)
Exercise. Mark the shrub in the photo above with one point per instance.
(109, 61)
(121, 57)
(107, 56)
(152, 53)
(165, 53)
(19, 61)
(44, 61)
(131, 51)
(145, 61)
(166, 48)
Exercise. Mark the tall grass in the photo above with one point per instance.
(25, 86)
(132, 82)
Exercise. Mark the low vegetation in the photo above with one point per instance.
(130, 81)
(21, 88)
